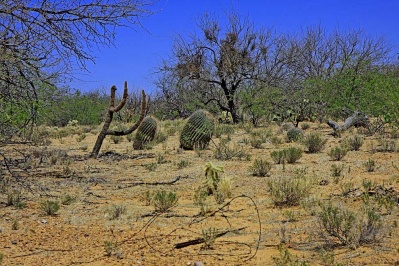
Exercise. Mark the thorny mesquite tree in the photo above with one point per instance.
(219, 62)
(43, 42)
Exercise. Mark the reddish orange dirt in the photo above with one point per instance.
(84, 231)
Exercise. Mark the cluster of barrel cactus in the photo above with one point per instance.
(198, 131)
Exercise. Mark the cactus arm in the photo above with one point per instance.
(123, 101)
(143, 112)
(105, 130)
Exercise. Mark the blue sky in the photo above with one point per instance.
(138, 52)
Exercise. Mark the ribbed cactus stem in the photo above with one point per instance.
(198, 131)
(145, 133)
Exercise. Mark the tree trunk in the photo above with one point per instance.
(357, 119)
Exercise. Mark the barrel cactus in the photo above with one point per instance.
(145, 133)
(198, 131)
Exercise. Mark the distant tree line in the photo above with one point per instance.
(256, 72)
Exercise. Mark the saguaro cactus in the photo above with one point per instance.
(110, 114)
(198, 131)
(145, 133)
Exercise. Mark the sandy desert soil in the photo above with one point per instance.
(87, 231)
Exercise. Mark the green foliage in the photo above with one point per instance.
(371, 91)
(223, 129)
(226, 152)
(337, 153)
(294, 134)
(260, 167)
(164, 200)
(287, 190)
(145, 132)
(349, 227)
(278, 156)
(354, 143)
(14, 198)
(49, 207)
(151, 167)
(209, 236)
(198, 131)
(370, 165)
(285, 258)
(65, 106)
(289, 155)
(292, 154)
(183, 164)
(336, 170)
(314, 142)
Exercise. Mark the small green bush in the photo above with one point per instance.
(294, 134)
(164, 200)
(288, 190)
(260, 167)
(314, 142)
(370, 165)
(336, 170)
(337, 153)
(350, 227)
(14, 198)
(49, 207)
(278, 156)
(355, 143)
(292, 154)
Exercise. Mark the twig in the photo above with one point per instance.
(202, 240)
(154, 183)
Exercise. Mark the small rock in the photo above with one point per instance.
(198, 263)
(14, 242)
(44, 221)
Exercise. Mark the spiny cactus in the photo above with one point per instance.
(198, 131)
(145, 133)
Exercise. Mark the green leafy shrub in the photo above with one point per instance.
(370, 165)
(209, 236)
(260, 167)
(314, 142)
(349, 227)
(182, 164)
(337, 153)
(336, 171)
(355, 142)
(14, 198)
(164, 200)
(288, 190)
(294, 134)
(49, 207)
(292, 154)
(151, 167)
(256, 142)
(278, 156)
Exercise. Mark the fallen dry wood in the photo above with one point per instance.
(202, 240)
(140, 183)
(357, 119)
